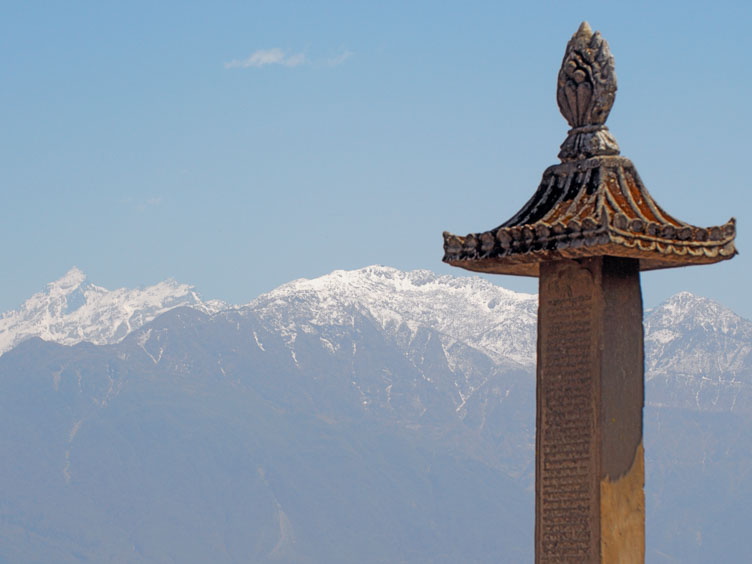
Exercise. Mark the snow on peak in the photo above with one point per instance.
(469, 310)
(497, 321)
(71, 310)
(685, 309)
(70, 281)
(689, 334)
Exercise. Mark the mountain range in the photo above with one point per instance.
(71, 310)
(372, 415)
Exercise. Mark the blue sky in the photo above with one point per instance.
(236, 146)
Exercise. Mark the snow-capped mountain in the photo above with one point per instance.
(71, 310)
(496, 321)
(696, 336)
(693, 342)
(697, 354)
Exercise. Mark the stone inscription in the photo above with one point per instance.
(567, 421)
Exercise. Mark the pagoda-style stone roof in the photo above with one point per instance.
(594, 203)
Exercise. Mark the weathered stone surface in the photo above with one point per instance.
(589, 465)
(623, 514)
(566, 446)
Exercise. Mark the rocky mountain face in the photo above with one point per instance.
(697, 355)
(369, 416)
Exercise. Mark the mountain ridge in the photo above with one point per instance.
(698, 353)
(496, 321)
(72, 310)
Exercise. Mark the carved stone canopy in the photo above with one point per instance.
(594, 203)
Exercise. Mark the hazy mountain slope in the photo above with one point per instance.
(348, 418)
(188, 441)
(698, 487)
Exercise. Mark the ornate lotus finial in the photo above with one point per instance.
(585, 93)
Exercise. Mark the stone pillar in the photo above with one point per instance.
(589, 500)
(588, 230)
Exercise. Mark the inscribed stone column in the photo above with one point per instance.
(589, 472)
(587, 232)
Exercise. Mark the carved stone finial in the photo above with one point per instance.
(585, 93)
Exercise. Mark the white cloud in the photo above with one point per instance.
(142, 205)
(264, 57)
(339, 59)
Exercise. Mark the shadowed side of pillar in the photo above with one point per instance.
(622, 468)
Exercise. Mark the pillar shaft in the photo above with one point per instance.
(589, 498)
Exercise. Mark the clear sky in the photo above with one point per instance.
(239, 145)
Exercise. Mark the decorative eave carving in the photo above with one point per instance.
(594, 203)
